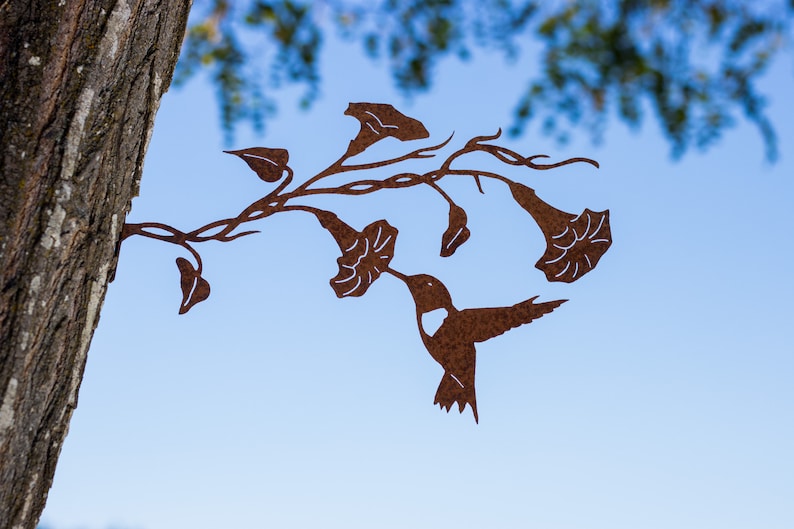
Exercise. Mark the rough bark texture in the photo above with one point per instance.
(80, 82)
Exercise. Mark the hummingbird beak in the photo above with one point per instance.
(398, 275)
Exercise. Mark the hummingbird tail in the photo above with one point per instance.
(452, 390)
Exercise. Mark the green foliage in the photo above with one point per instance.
(693, 63)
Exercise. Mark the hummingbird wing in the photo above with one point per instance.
(480, 325)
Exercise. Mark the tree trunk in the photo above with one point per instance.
(80, 82)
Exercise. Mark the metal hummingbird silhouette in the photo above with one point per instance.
(574, 243)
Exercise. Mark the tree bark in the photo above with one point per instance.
(80, 82)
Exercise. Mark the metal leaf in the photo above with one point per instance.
(195, 288)
(457, 232)
(268, 164)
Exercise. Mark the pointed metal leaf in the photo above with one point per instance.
(195, 288)
(457, 232)
(268, 164)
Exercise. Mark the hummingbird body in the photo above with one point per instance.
(456, 353)
(452, 344)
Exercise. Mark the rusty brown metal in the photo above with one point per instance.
(574, 243)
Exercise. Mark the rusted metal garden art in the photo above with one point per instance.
(574, 243)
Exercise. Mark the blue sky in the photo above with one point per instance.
(658, 397)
